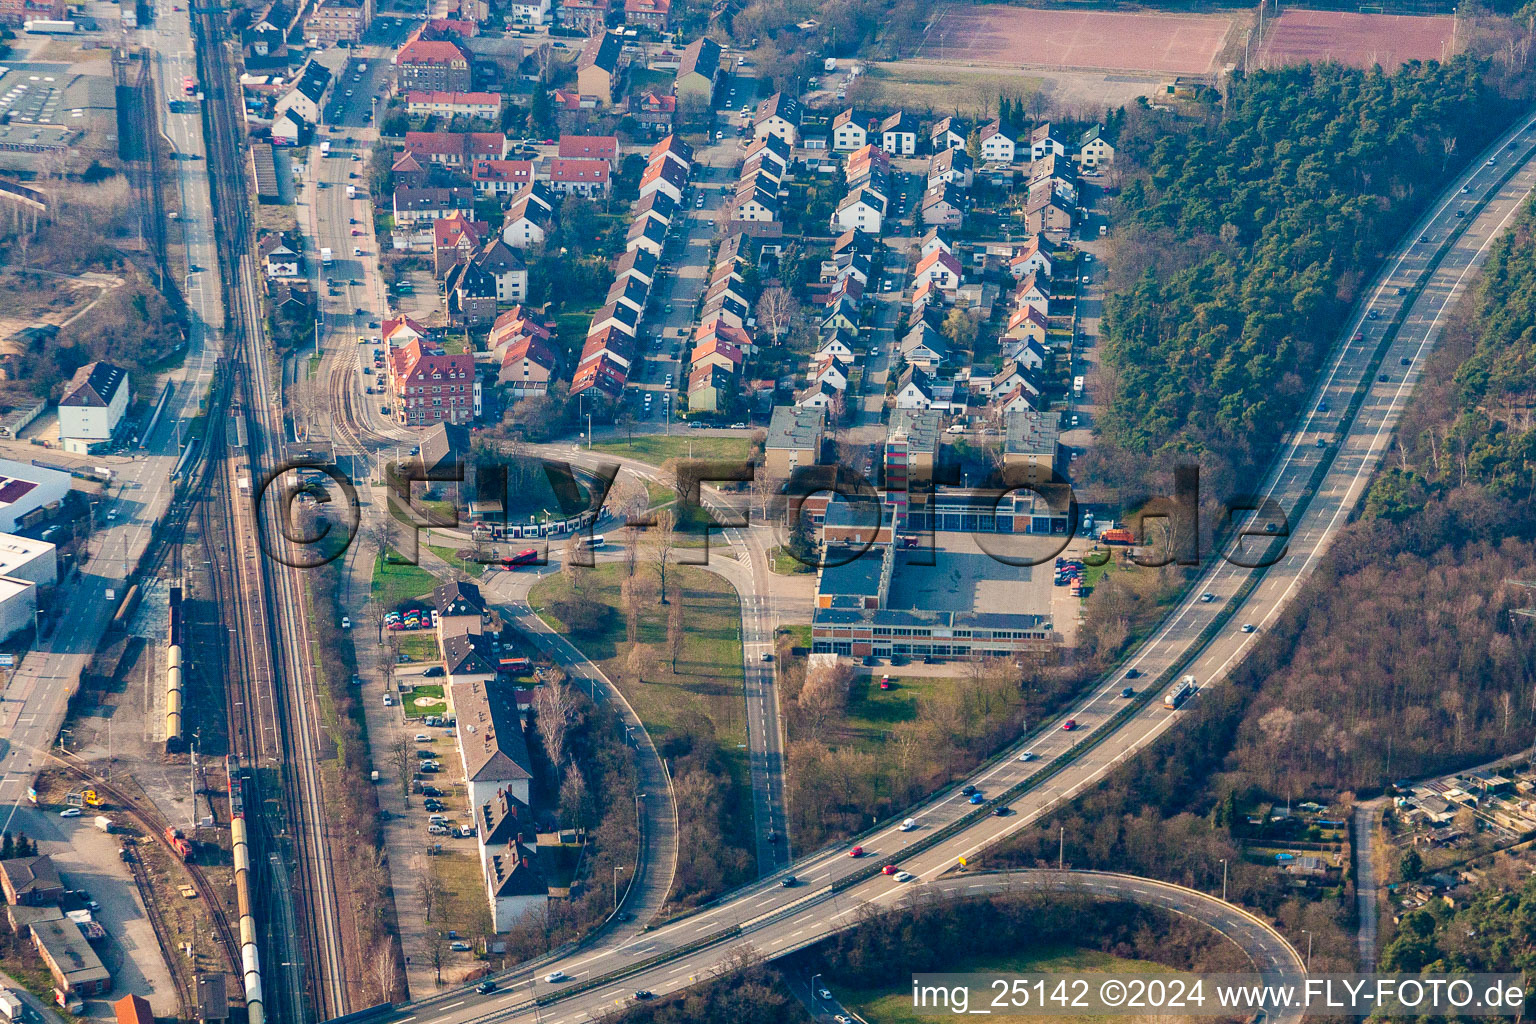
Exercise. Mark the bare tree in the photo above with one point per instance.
(631, 548)
(400, 758)
(675, 633)
(386, 973)
(663, 541)
(376, 614)
(638, 663)
(437, 952)
(776, 310)
(765, 486)
(554, 705)
(428, 889)
(631, 599)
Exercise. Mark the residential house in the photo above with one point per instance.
(574, 176)
(629, 291)
(950, 167)
(432, 65)
(653, 110)
(1034, 257)
(1094, 150)
(506, 268)
(916, 389)
(667, 175)
(698, 74)
(407, 171)
(754, 203)
(898, 134)
(935, 238)
(515, 881)
(454, 240)
(637, 264)
(529, 12)
(429, 386)
(655, 15)
(820, 396)
(92, 406)
(618, 315)
(831, 370)
(601, 374)
(1011, 376)
(526, 366)
(471, 293)
(597, 70)
(489, 731)
(842, 315)
(309, 95)
(710, 388)
(923, 346)
(794, 439)
(655, 205)
(647, 233)
(997, 145)
(576, 102)
(1033, 292)
(837, 343)
(940, 269)
(943, 206)
(483, 106)
(338, 22)
(589, 147)
(1027, 323)
(1044, 142)
(714, 350)
(1047, 214)
(778, 115)
(414, 205)
(1013, 401)
(948, 133)
(529, 217)
(861, 210)
(500, 177)
(459, 605)
(850, 130)
(279, 261)
(31, 881)
(589, 17)
(455, 150)
(672, 148)
(398, 331)
(1029, 352)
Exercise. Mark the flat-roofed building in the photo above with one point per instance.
(76, 969)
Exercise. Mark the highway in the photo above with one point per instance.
(1201, 637)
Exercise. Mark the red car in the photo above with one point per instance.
(857, 851)
(889, 869)
(1069, 725)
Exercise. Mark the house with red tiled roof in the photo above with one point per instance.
(655, 15)
(579, 177)
(601, 375)
(484, 106)
(587, 16)
(566, 99)
(501, 177)
(407, 171)
(434, 64)
(429, 386)
(653, 110)
(400, 330)
(589, 147)
(454, 240)
(455, 149)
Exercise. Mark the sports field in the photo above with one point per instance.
(1358, 40)
(1100, 40)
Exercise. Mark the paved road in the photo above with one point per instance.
(1366, 894)
(1200, 637)
(1271, 955)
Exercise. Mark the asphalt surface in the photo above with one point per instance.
(1202, 638)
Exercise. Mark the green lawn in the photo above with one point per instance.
(420, 646)
(465, 909)
(785, 564)
(708, 679)
(658, 448)
(451, 556)
(894, 1005)
(873, 711)
(423, 700)
(394, 582)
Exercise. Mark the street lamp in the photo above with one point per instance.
(814, 996)
(616, 869)
(1223, 879)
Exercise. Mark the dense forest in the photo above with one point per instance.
(1244, 237)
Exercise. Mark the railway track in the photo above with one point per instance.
(267, 597)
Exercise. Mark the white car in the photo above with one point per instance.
(70, 812)
(1028, 755)
(554, 977)
(904, 876)
(1248, 627)
(346, 622)
(908, 825)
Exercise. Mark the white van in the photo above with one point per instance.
(598, 540)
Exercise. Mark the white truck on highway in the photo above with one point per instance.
(325, 257)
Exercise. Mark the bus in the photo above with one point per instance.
(528, 557)
(1179, 692)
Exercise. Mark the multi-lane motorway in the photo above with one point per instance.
(1364, 383)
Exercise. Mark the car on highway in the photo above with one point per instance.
(1249, 627)
(1069, 725)
(857, 851)
(1132, 673)
(1207, 598)
(904, 876)
(908, 825)
(977, 798)
(555, 977)
(889, 869)
(1028, 755)
(70, 812)
(788, 881)
(485, 988)
(1001, 811)
(1127, 691)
